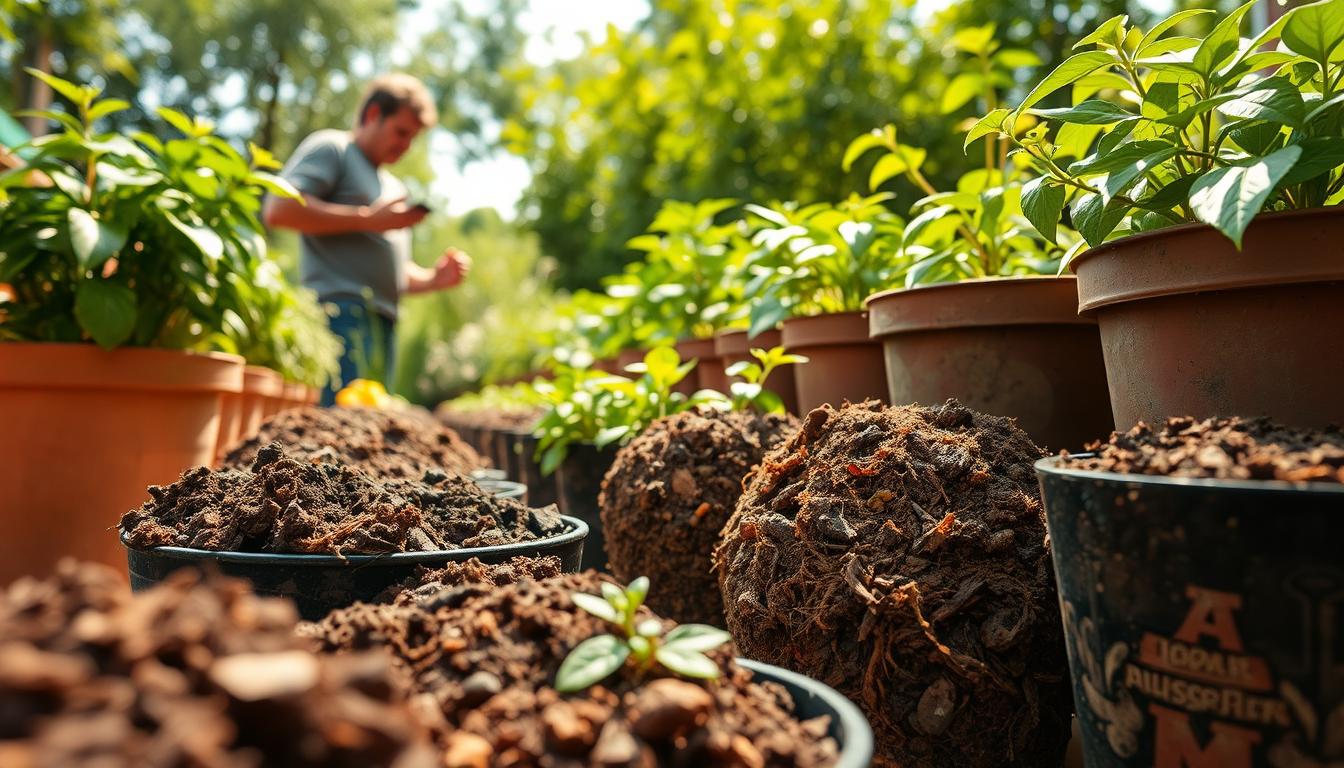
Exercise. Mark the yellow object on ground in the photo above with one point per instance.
(365, 393)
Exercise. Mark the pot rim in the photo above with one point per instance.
(577, 530)
(828, 329)
(856, 751)
(57, 365)
(1050, 465)
(983, 302)
(995, 280)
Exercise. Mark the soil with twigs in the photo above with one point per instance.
(427, 582)
(290, 505)
(1223, 448)
(900, 555)
(188, 673)
(482, 660)
(386, 443)
(667, 496)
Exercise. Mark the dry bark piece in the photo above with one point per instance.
(1224, 448)
(384, 443)
(187, 673)
(488, 654)
(668, 494)
(288, 505)
(899, 555)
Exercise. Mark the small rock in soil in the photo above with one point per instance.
(900, 555)
(1223, 448)
(668, 494)
(384, 443)
(289, 505)
(187, 673)
(518, 634)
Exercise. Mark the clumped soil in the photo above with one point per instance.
(290, 505)
(482, 660)
(900, 555)
(668, 494)
(186, 674)
(521, 420)
(1224, 448)
(427, 582)
(389, 444)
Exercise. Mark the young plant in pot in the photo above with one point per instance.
(983, 316)
(591, 415)
(119, 251)
(670, 490)
(1208, 192)
(812, 268)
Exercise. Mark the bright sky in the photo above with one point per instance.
(498, 182)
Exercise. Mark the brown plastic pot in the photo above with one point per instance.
(844, 363)
(261, 386)
(734, 347)
(1192, 327)
(708, 372)
(1006, 346)
(86, 430)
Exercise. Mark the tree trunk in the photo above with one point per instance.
(39, 97)
(266, 136)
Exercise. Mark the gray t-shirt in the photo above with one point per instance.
(329, 166)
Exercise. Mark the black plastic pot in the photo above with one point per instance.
(848, 726)
(541, 489)
(1204, 618)
(579, 480)
(320, 583)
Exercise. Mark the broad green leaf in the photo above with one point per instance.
(64, 87)
(1176, 192)
(1017, 58)
(1323, 107)
(276, 185)
(93, 241)
(1077, 66)
(591, 661)
(1161, 27)
(178, 120)
(1229, 198)
(1116, 158)
(636, 591)
(1094, 219)
(687, 663)
(206, 239)
(963, 88)
(1074, 139)
(696, 637)
(990, 123)
(976, 40)
(1109, 33)
(771, 215)
(1042, 203)
(68, 121)
(1315, 30)
(1319, 155)
(596, 606)
(1118, 181)
(1222, 42)
(614, 595)
(609, 435)
(856, 149)
(1276, 100)
(107, 107)
(1256, 138)
(105, 311)
(1090, 112)
(894, 164)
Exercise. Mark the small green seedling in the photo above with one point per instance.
(751, 391)
(682, 650)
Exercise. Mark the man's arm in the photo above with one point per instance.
(451, 268)
(314, 216)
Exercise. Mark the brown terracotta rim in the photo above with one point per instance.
(87, 366)
(1280, 248)
(734, 342)
(259, 380)
(689, 348)
(998, 301)
(837, 329)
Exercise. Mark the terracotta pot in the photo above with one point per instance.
(311, 395)
(628, 357)
(86, 431)
(1010, 347)
(294, 394)
(734, 347)
(708, 372)
(845, 364)
(261, 386)
(230, 423)
(1192, 327)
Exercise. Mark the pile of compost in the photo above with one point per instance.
(900, 556)
(667, 496)
(389, 444)
(428, 582)
(1223, 448)
(487, 656)
(290, 505)
(188, 673)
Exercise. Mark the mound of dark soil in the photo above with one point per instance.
(186, 674)
(520, 420)
(428, 582)
(487, 656)
(1230, 449)
(389, 444)
(900, 555)
(289, 505)
(667, 496)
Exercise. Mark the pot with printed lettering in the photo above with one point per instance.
(1202, 592)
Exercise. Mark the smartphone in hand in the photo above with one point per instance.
(422, 207)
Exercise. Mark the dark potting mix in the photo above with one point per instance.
(482, 660)
(385, 443)
(189, 673)
(428, 582)
(900, 556)
(284, 504)
(667, 496)
(1223, 448)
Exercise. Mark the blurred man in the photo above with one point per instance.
(354, 222)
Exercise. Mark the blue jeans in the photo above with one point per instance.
(370, 344)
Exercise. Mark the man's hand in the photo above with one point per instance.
(386, 215)
(451, 269)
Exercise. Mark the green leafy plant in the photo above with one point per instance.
(750, 392)
(120, 241)
(681, 650)
(1168, 129)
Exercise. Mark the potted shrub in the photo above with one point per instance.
(812, 269)
(1216, 163)
(115, 250)
(1013, 347)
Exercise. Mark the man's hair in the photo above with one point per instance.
(393, 91)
